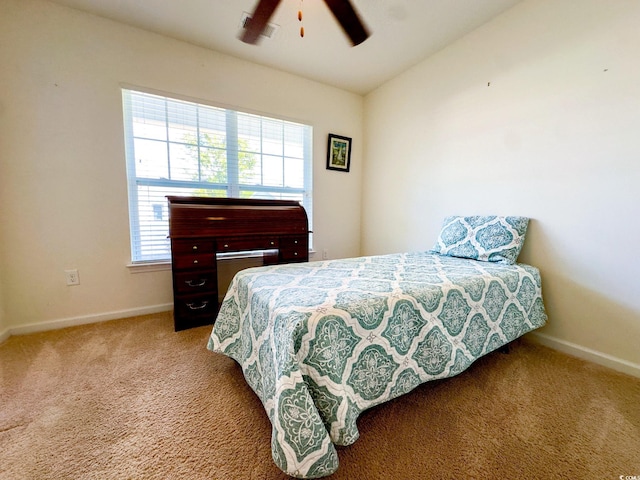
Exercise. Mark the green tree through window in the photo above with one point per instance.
(214, 164)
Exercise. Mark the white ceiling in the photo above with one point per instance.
(404, 32)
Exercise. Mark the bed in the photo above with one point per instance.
(321, 342)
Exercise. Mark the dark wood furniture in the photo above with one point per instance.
(201, 228)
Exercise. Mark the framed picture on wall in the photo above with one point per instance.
(338, 153)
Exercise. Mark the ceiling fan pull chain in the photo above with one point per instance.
(300, 20)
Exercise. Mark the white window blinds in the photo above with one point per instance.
(176, 147)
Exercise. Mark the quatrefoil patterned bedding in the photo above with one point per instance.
(485, 238)
(321, 342)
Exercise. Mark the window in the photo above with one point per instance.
(177, 147)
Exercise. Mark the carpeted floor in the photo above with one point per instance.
(131, 399)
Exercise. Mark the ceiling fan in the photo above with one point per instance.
(344, 12)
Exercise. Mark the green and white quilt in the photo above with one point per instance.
(321, 342)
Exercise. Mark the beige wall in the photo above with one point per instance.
(536, 113)
(63, 188)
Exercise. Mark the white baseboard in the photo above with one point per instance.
(561, 345)
(586, 354)
(4, 335)
(85, 319)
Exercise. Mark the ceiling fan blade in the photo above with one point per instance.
(349, 20)
(259, 20)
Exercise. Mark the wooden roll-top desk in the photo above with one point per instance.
(201, 228)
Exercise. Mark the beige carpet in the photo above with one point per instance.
(131, 399)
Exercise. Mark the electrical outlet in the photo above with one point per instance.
(325, 254)
(72, 277)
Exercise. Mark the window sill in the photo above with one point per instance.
(144, 267)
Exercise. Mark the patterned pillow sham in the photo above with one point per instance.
(488, 239)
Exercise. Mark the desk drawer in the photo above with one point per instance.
(294, 249)
(191, 246)
(196, 306)
(245, 244)
(195, 282)
(201, 261)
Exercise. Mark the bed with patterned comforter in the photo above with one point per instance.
(321, 342)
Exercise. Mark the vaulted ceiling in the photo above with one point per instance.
(404, 32)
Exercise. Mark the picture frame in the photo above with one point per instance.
(338, 153)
